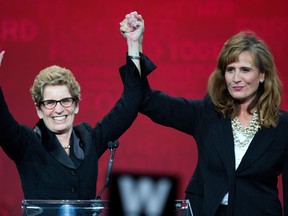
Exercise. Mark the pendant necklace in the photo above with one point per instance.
(67, 146)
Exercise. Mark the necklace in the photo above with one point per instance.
(247, 132)
(67, 146)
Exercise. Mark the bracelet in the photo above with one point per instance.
(134, 57)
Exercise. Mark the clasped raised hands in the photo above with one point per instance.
(132, 27)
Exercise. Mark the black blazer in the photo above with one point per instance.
(252, 186)
(46, 171)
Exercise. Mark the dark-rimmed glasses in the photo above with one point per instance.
(51, 104)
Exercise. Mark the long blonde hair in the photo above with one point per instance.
(268, 97)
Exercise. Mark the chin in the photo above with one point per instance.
(60, 129)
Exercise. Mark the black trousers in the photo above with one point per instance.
(221, 211)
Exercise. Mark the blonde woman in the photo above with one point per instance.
(56, 159)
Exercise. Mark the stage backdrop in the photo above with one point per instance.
(182, 37)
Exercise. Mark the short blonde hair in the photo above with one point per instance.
(54, 75)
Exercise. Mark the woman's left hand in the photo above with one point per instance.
(1, 56)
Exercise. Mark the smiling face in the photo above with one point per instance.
(59, 119)
(243, 77)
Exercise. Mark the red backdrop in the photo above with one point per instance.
(183, 38)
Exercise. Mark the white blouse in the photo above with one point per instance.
(239, 153)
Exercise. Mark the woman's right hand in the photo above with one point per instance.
(1, 56)
(132, 28)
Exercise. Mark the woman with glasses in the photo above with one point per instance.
(56, 159)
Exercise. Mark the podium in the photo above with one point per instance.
(84, 208)
(64, 207)
(183, 208)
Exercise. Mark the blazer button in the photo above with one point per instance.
(73, 173)
(73, 189)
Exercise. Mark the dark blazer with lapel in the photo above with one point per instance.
(252, 186)
(46, 171)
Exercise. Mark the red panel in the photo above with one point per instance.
(182, 37)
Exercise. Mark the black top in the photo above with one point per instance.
(46, 171)
(252, 186)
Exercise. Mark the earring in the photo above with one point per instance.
(261, 81)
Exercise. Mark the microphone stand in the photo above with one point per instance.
(112, 147)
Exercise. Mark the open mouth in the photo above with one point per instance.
(59, 118)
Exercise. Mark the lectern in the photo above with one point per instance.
(64, 207)
(183, 208)
(85, 208)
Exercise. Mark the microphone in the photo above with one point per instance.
(112, 146)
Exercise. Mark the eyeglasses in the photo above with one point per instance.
(65, 102)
